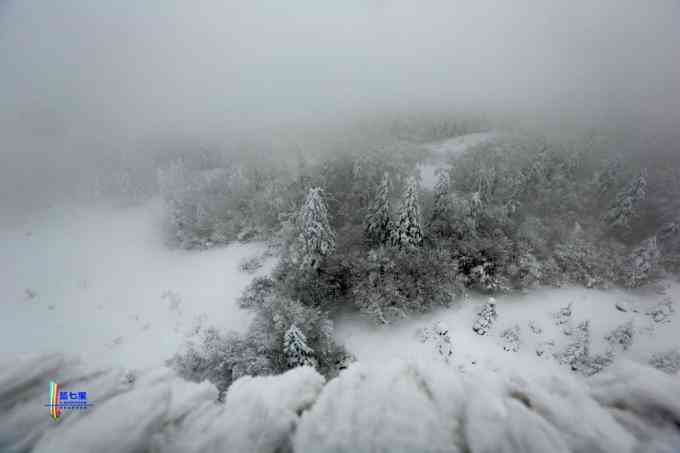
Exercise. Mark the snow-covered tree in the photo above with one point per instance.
(626, 205)
(408, 232)
(662, 312)
(441, 195)
(606, 178)
(642, 263)
(578, 348)
(668, 361)
(295, 348)
(511, 339)
(378, 222)
(621, 338)
(441, 206)
(578, 356)
(443, 341)
(438, 335)
(485, 318)
(316, 238)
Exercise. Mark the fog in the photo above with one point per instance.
(307, 206)
(82, 79)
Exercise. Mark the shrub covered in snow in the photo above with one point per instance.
(590, 365)
(511, 339)
(392, 283)
(545, 346)
(668, 237)
(271, 345)
(586, 262)
(219, 358)
(668, 362)
(216, 201)
(250, 265)
(485, 318)
(257, 293)
(563, 318)
(577, 354)
(578, 348)
(625, 207)
(535, 328)
(642, 263)
(662, 312)
(438, 335)
(621, 338)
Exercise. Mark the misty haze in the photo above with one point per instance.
(359, 226)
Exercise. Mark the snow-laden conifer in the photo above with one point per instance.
(642, 263)
(625, 207)
(316, 238)
(441, 202)
(443, 344)
(441, 205)
(408, 232)
(485, 318)
(379, 224)
(295, 348)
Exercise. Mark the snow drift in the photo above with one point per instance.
(400, 406)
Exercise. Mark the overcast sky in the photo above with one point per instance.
(89, 73)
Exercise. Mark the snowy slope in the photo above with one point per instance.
(396, 406)
(101, 284)
(534, 314)
(441, 151)
(457, 145)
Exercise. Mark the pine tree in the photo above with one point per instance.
(443, 342)
(441, 206)
(295, 348)
(316, 238)
(408, 232)
(441, 193)
(642, 262)
(379, 224)
(606, 178)
(485, 318)
(626, 205)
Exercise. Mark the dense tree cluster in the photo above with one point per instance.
(272, 344)
(316, 238)
(511, 213)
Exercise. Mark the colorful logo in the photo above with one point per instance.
(60, 401)
(55, 410)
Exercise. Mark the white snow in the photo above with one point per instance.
(396, 406)
(104, 286)
(442, 151)
(459, 144)
(100, 284)
(375, 344)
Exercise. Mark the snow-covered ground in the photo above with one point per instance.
(441, 151)
(456, 145)
(397, 406)
(535, 314)
(100, 283)
(90, 293)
